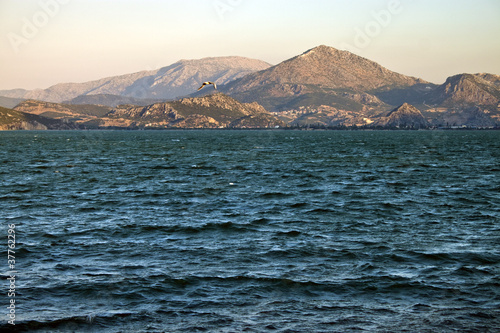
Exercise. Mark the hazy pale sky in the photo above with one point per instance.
(44, 42)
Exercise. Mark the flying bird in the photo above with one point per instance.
(207, 83)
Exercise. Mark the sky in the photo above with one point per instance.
(45, 42)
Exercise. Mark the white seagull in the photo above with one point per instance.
(207, 83)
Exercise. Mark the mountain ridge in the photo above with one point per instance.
(340, 73)
(480, 89)
(215, 110)
(322, 72)
(169, 82)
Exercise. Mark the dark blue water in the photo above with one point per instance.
(253, 231)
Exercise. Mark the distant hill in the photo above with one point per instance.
(473, 89)
(16, 120)
(471, 100)
(322, 75)
(61, 111)
(465, 116)
(67, 113)
(8, 102)
(110, 100)
(178, 79)
(212, 111)
(404, 116)
(216, 110)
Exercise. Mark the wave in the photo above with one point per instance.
(370, 282)
(338, 237)
(276, 195)
(81, 323)
(464, 258)
(185, 229)
(291, 233)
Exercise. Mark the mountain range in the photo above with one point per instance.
(178, 79)
(329, 87)
(212, 111)
(322, 87)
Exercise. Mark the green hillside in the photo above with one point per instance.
(12, 120)
(9, 116)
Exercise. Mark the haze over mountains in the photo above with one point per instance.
(322, 87)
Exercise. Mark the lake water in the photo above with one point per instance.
(252, 231)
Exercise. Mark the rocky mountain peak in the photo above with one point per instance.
(222, 101)
(405, 115)
(479, 89)
(323, 67)
(215, 110)
(492, 78)
(324, 51)
(405, 108)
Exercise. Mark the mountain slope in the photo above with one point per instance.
(492, 78)
(404, 116)
(323, 73)
(212, 111)
(110, 100)
(474, 89)
(327, 67)
(16, 120)
(186, 76)
(61, 111)
(8, 102)
(178, 79)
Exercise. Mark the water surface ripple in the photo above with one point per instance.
(253, 231)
